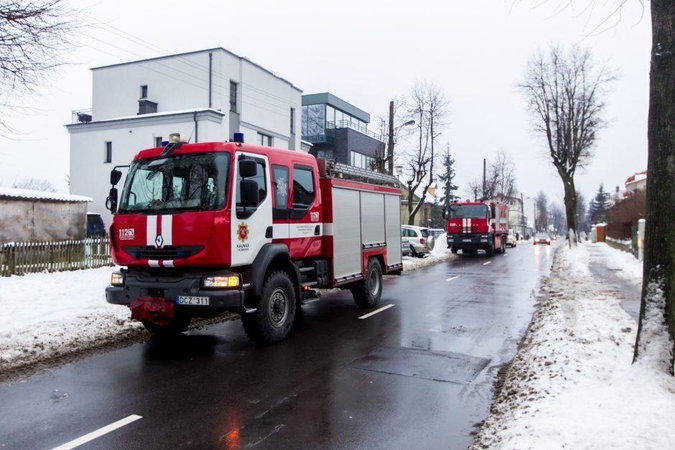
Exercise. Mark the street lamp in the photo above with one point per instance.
(390, 141)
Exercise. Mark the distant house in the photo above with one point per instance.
(36, 216)
(637, 182)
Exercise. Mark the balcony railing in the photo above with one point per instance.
(348, 124)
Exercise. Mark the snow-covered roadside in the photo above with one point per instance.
(572, 384)
(49, 315)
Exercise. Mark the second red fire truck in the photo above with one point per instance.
(473, 226)
(205, 228)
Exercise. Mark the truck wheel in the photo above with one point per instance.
(367, 292)
(491, 248)
(454, 249)
(178, 323)
(275, 311)
(503, 249)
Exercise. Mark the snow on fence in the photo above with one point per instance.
(19, 258)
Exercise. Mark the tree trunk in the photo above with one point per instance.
(571, 210)
(658, 288)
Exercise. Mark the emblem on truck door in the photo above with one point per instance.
(242, 232)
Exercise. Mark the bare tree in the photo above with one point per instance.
(427, 107)
(541, 215)
(34, 184)
(399, 125)
(565, 91)
(500, 179)
(33, 37)
(557, 218)
(582, 223)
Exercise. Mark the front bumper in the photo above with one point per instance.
(188, 285)
(468, 241)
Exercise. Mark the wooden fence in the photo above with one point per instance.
(19, 258)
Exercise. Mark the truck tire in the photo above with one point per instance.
(367, 292)
(454, 249)
(490, 250)
(178, 323)
(275, 310)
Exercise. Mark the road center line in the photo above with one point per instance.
(376, 311)
(487, 262)
(452, 278)
(100, 432)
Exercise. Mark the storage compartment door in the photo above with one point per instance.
(346, 234)
(392, 207)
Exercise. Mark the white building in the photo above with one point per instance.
(208, 95)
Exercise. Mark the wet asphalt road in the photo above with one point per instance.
(419, 374)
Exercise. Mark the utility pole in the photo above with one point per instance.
(390, 141)
(484, 183)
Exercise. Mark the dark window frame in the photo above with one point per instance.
(233, 96)
(107, 155)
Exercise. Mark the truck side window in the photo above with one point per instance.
(280, 174)
(303, 187)
(261, 178)
(280, 210)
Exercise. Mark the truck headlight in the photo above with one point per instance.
(117, 279)
(221, 281)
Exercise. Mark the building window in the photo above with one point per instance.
(233, 96)
(325, 154)
(144, 91)
(158, 141)
(362, 161)
(292, 120)
(264, 140)
(107, 157)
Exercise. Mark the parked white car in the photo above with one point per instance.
(420, 241)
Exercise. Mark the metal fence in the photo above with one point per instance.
(19, 258)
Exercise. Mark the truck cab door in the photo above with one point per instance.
(251, 224)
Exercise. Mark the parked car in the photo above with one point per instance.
(419, 240)
(435, 232)
(511, 240)
(405, 247)
(95, 225)
(542, 238)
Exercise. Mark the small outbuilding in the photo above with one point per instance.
(36, 216)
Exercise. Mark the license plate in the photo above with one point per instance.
(466, 240)
(192, 300)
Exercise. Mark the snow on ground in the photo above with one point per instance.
(571, 386)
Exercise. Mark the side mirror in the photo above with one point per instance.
(247, 168)
(111, 201)
(115, 176)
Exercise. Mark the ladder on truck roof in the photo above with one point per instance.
(334, 169)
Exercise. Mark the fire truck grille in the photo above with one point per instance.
(168, 252)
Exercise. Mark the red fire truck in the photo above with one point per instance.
(473, 226)
(205, 228)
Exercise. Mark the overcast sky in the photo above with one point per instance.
(367, 53)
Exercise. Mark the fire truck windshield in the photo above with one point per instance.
(468, 211)
(195, 182)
